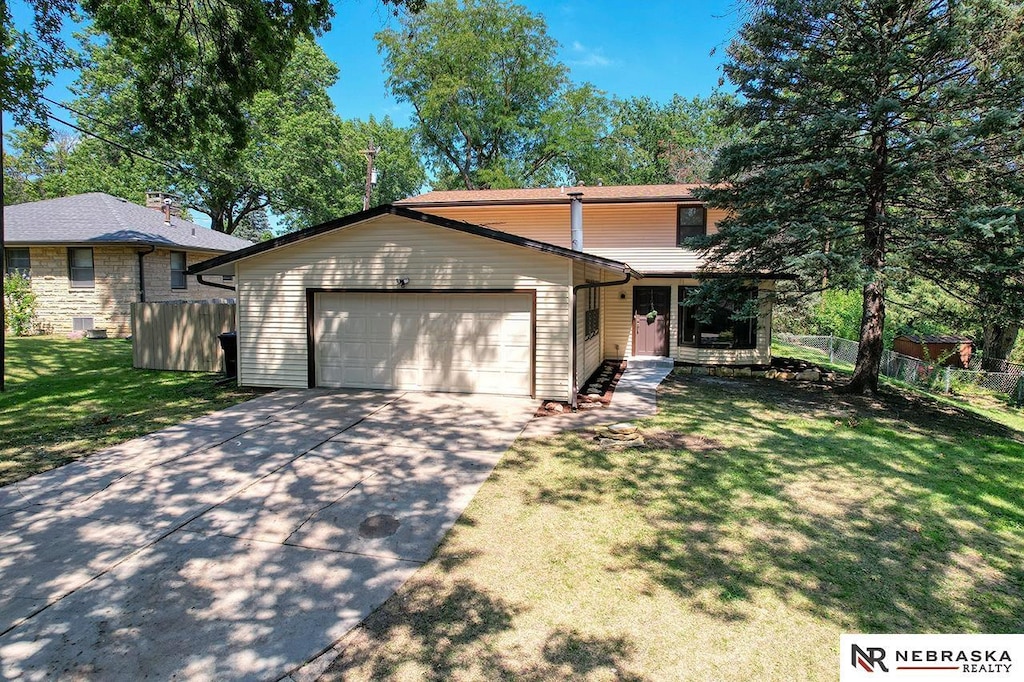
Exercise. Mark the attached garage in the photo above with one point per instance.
(392, 298)
(476, 342)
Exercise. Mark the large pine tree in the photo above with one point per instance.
(870, 121)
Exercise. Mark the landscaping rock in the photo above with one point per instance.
(554, 407)
(624, 428)
(743, 372)
(785, 376)
(616, 443)
(808, 375)
(588, 406)
(771, 373)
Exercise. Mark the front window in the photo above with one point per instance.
(717, 328)
(692, 222)
(178, 268)
(80, 268)
(18, 260)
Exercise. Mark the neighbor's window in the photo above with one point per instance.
(178, 268)
(18, 260)
(80, 269)
(717, 330)
(692, 222)
(592, 318)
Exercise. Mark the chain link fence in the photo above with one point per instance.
(989, 373)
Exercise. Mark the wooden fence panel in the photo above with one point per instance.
(180, 336)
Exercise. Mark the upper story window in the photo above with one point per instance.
(81, 273)
(18, 260)
(178, 267)
(692, 221)
(718, 329)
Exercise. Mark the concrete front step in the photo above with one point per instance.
(649, 362)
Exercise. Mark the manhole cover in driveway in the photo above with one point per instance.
(378, 526)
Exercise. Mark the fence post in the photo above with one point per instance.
(1020, 391)
(831, 348)
(949, 375)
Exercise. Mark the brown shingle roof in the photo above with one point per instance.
(549, 195)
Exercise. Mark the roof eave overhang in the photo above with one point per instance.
(218, 264)
(133, 243)
(698, 274)
(553, 201)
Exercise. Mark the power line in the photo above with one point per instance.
(125, 148)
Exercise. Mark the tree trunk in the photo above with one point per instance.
(872, 321)
(869, 353)
(998, 339)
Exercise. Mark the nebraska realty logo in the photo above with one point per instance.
(931, 657)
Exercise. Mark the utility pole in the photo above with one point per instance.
(371, 173)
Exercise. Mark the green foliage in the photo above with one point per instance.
(35, 165)
(876, 122)
(652, 143)
(255, 227)
(19, 304)
(494, 108)
(301, 160)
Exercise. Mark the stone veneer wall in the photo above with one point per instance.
(116, 287)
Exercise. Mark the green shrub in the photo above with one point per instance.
(19, 304)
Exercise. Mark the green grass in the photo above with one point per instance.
(998, 407)
(66, 398)
(763, 520)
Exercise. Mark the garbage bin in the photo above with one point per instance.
(229, 344)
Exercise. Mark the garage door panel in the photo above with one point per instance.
(431, 342)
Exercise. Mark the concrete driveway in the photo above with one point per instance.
(242, 544)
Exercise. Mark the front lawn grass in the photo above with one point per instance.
(763, 520)
(66, 398)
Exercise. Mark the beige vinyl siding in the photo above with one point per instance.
(618, 326)
(617, 320)
(272, 291)
(588, 351)
(641, 234)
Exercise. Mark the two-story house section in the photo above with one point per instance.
(517, 292)
(643, 226)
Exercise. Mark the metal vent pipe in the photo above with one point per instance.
(576, 220)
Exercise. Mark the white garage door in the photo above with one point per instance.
(472, 343)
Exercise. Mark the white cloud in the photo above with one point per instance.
(588, 56)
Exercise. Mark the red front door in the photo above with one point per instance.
(650, 320)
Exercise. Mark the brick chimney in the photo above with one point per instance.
(166, 203)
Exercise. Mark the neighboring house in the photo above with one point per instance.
(90, 256)
(482, 291)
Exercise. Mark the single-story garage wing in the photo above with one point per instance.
(392, 298)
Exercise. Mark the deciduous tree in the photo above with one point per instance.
(493, 106)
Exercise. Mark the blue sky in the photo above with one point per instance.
(656, 48)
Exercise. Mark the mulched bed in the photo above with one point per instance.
(596, 392)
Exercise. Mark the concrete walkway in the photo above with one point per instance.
(240, 545)
(636, 395)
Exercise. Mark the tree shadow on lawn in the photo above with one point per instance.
(833, 504)
(432, 630)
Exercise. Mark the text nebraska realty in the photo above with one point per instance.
(972, 661)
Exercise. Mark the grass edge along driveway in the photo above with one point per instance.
(761, 521)
(67, 398)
